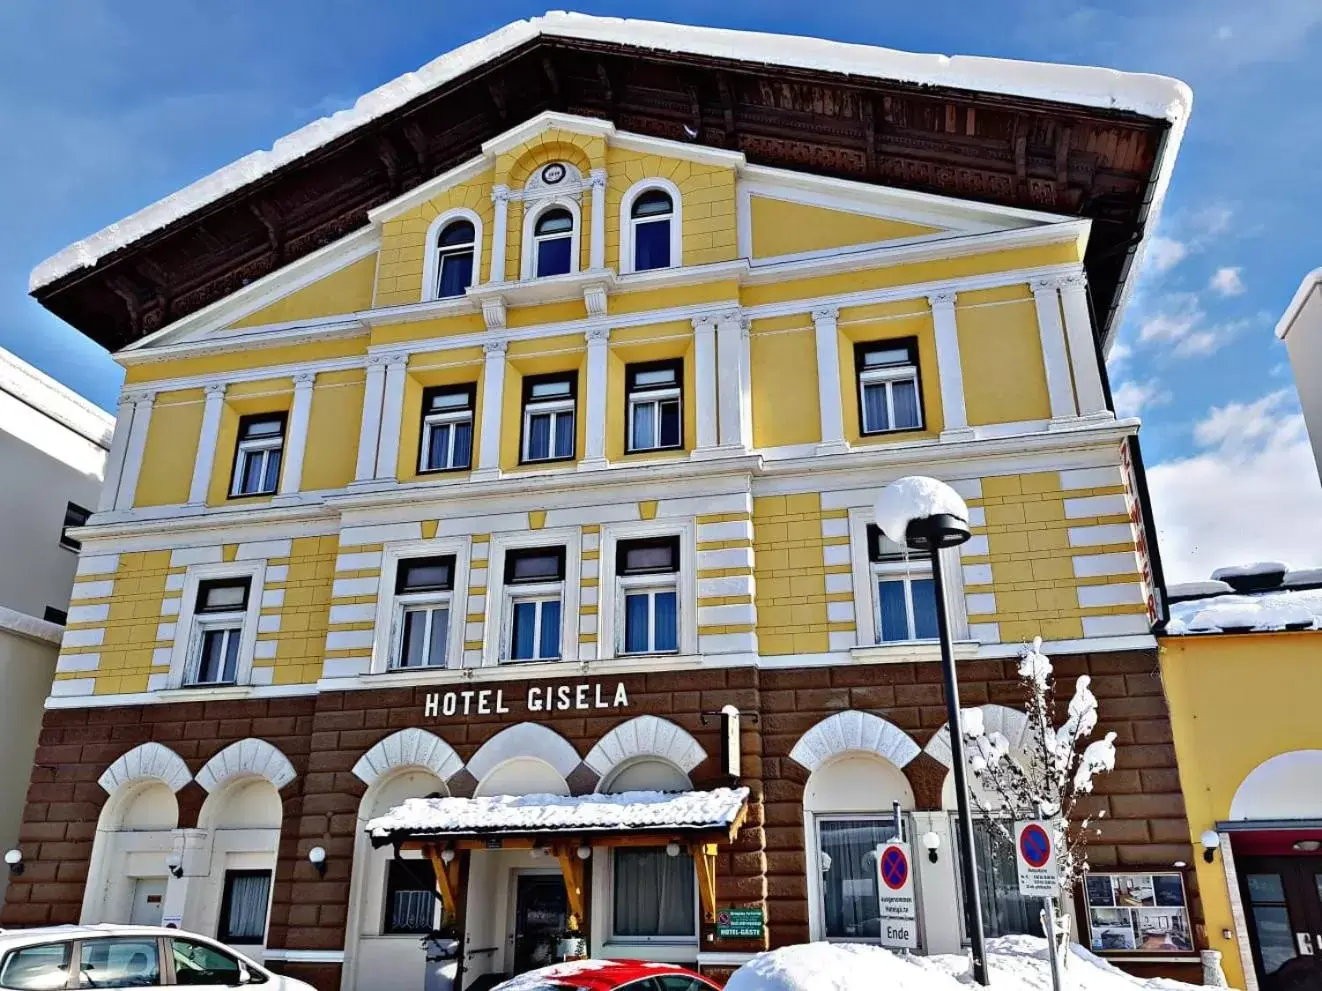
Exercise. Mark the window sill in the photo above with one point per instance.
(543, 289)
(205, 693)
(913, 650)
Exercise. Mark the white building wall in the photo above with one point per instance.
(1301, 329)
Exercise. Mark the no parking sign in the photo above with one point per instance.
(898, 917)
(1035, 855)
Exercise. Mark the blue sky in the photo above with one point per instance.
(108, 105)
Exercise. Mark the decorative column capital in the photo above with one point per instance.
(501, 194)
(706, 322)
(826, 314)
(599, 336)
(304, 380)
(143, 397)
(376, 362)
(941, 299)
(597, 179)
(1077, 282)
(1048, 283)
(396, 360)
(495, 349)
(215, 389)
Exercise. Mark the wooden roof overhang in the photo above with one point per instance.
(1070, 159)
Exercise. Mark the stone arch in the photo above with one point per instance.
(1286, 786)
(252, 757)
(856, 732)
(147, 760)
(1011, 723)
(412, 747)
(524, 740)
(645, 736)
(564, 147)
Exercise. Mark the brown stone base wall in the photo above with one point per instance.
(325, 735)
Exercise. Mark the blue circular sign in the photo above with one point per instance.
(1035, 845)
(894, 868)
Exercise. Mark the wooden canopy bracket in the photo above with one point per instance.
(572, 868)
(704, 858)
(447, 881)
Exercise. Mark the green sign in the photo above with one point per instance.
(739, 923)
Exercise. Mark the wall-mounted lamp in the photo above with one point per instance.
(584, 851)
(14, 858)
(672, 849)
(931, 843)
(1210, 840)
(1307, 846)
(317, 858)
(447, 856)
(174, 863)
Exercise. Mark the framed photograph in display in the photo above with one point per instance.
(1138, 912)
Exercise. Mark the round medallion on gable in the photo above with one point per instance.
(553, 173)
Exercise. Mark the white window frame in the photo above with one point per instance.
(555, 408)
(388, 634)
(431, 421)
(610, 637)
(916, 568)
(264, 445)
(866, 607)
(528, 261)
(654, 396)
(431, 265)
(888, 375)
(499, 608)
(539, 595)
(816, 894)
(427, 602)
(190, 624)
(608, 892)
(628, 252)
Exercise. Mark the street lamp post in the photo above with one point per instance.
(936, 518)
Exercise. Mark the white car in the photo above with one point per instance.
(107, 956)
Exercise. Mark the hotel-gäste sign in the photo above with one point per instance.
(580, 697)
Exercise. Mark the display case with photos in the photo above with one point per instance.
(1138, 913)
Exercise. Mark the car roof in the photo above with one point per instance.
(10, 938)
(605, 975)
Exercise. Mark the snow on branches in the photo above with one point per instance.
(1054, 768)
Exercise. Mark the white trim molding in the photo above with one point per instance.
(627, 258)
(430, 266)
(147, 760)
(857, 732)
(250, 758)
(412, 747)
(1011, 723)
(524, 740)
(645, 736)
(531, 214)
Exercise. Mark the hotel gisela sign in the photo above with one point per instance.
(580, 697)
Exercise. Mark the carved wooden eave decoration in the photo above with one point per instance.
(1075, 160)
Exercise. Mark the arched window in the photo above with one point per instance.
(553, 239)
(651, 217)
(454, 262)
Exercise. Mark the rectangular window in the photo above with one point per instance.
(904, 593)
(548, 416)
(257, 462)
(218, 618)
(1005, 911)
(847, 862)
(243, 907)
(447, 428)
(889, 398)
(53, 615)
(74, 515)
(534, 590)
(410, 896)
(654, 895)
(655, 393)
(37, 968)
(424, 587)
(119, 962)
(647, 572)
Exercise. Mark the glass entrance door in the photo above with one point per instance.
(540, 915)
(1283, 903)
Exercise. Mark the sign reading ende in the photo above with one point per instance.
(538, 698)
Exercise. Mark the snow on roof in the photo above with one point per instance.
(54, 399)
(1266, 611)
(715, 809)
(1150, 95)
(1303, 576)
(1197, 590)
(915, 497)
(1249, 570)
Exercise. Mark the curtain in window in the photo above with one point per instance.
(874, 408)
(1004, 910)
(924, 608)
(440, 443)
(670, 424)
(440, 627)
(635, 622)
(246, 921)
(652, 245)
(666, 626)
(411, 649)
(220, 656)
(525, 629)
(456, 274)
(644, 426)
(905, 397)
(849, 875)
(550, 634)
(272, 470)
(653, 893)
(894, 615)
(564, 435)
(539, 438)
(463, 445)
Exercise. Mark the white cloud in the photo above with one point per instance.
(1132, 397)
(1251, 493)
(1120, 353)
(1227, 281)
(1163, 254)
(1180, 321)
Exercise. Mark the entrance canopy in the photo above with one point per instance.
(559, 824)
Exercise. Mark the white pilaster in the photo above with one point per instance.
(825, 324)
(392, 408)
(205, 459)
(1055, 358)
(734, 396)
(370, 431)
(704, 373)
(597, 246)
(115, 458)
(296, 439)
(949, 369)
(137, 444)
(594, 405)
(1083, 350)
(493, 399)
(500, 196)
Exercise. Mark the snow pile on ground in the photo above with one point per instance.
(1015, 963)
(713, 809)
(1295, 610)
(914, 498)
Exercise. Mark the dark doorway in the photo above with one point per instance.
(1283, 904)
(541, 914)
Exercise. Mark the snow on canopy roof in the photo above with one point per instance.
(630, 810)
(1302, 577)
(1266, 611)
(1149, 95)
(1250, 570)
(1197, 590)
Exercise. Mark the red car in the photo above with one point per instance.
(609, 975)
